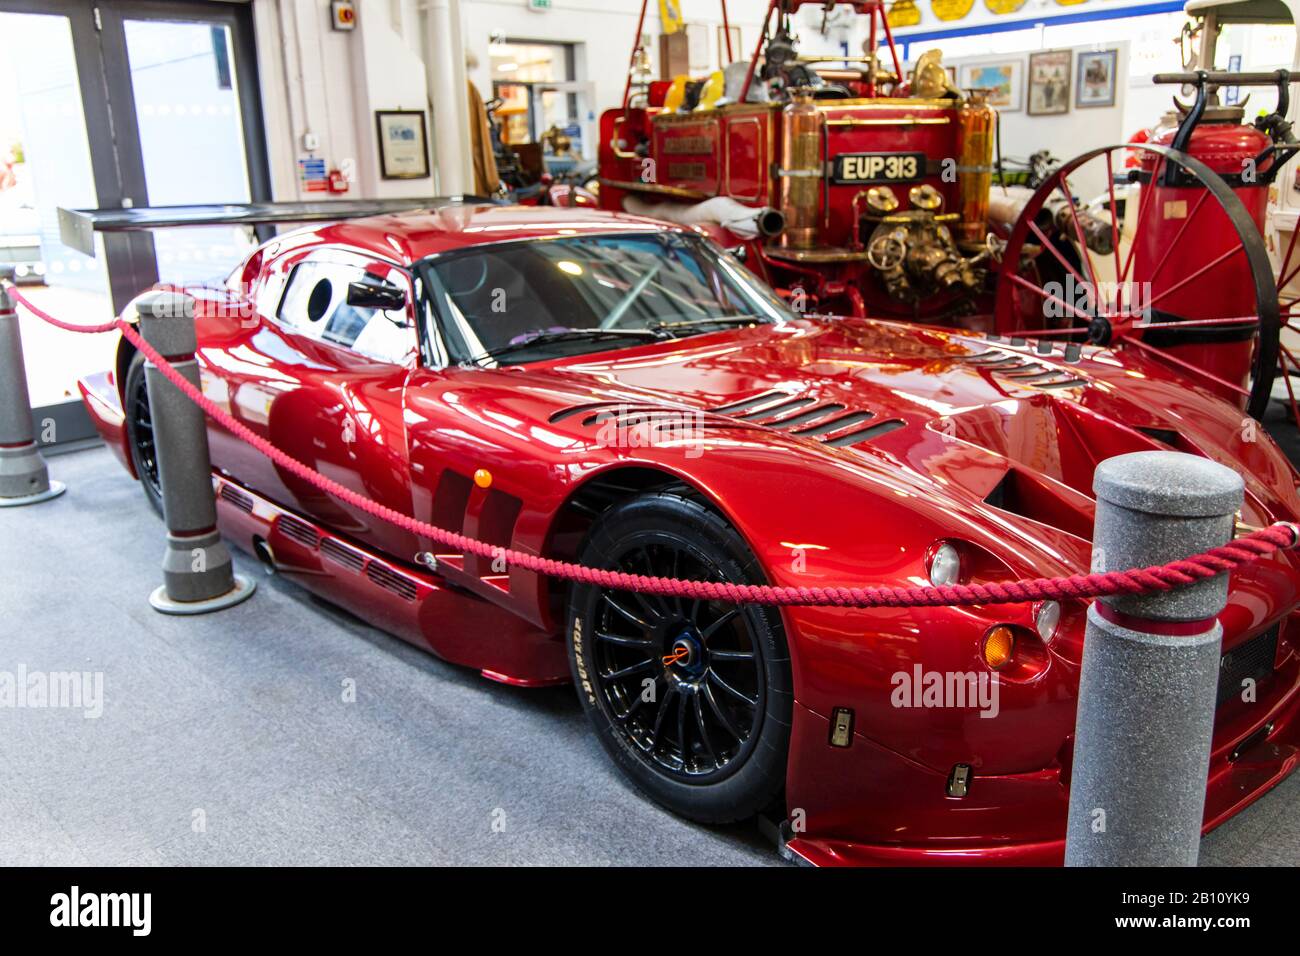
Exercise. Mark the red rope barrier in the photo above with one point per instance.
(1243, 550)
(46, 317)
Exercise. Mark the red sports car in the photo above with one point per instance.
(623, 393)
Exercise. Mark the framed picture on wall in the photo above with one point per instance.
(1049, 82)
(1004, 79)
(403, 144)
(1096, 82)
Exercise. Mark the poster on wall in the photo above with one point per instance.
(1049, 82)
(403, 144)
(949, 10)
(1002, 78)
(1096, 83)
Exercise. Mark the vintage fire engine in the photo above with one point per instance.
(859, 189)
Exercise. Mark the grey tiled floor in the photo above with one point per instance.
(225, 739)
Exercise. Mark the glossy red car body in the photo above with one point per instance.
(992, 445)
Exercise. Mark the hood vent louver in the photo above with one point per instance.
(866, 434)
(1021, 369)
(775, 411)
(838, 423)
(749, 403)
(835, 424)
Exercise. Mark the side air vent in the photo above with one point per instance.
(340, 553)
(450, 500)
(237, 498)
(391, 581)
(299, 531)
(1022, 494)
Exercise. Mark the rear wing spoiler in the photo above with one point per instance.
(77, 227)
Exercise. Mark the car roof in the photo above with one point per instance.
(413, 235)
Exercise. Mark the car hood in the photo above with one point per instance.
(986, 422)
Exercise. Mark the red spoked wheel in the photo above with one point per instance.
(1289, 308)
(1166, 259)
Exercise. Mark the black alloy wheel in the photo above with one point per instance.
(692, 698)
(139, 432)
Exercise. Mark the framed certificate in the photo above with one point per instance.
(1096, 79)
(1049, 82)
(403, 144)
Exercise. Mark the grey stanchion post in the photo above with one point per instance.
(198, 575)
(1146, 695)
(24, 479)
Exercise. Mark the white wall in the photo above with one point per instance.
(604, 31)
(1066, 134)
(329, 83)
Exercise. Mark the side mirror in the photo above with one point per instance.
(372, 295)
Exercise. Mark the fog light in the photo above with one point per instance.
(999, 644)
(1047, 619)
(945, 565)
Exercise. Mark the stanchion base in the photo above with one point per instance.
(242, 591)
(56, 488)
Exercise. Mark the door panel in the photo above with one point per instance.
(330, 407)
(450, 439)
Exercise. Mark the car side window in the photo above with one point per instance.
(315, 304)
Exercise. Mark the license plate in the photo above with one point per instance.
(878, 167)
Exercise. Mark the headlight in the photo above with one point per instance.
(1047, 619)
(945, 565)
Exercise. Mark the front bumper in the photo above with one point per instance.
(878, 808)
(100, 396)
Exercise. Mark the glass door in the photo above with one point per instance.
(186, 84)
(45, 163)
(134, 103)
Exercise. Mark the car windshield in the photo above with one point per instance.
(524, 301)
